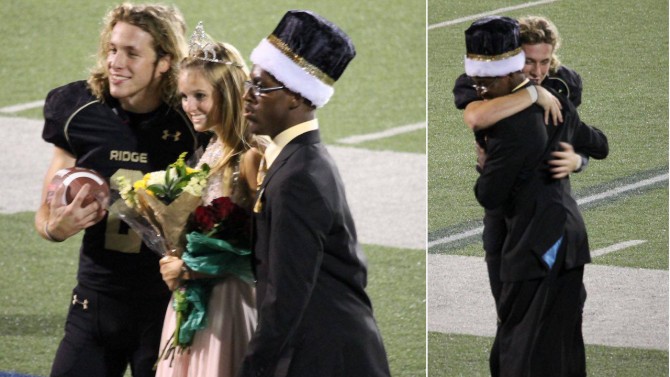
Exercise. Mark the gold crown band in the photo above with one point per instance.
(492, 58)
(299, 60)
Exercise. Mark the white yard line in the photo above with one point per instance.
(374, 195)
(382, 134)
(616, 247)
(620, 190)
(21, 107)
(493, 12)
(588, 199)
(457, 237)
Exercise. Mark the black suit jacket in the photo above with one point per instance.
(315, 318)
(514, 179)
(592, 142)
(537, 209)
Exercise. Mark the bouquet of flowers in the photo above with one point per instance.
(158, 206)
(218, 245)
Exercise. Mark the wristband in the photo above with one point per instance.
(532, 90)
(582, 166)
(48, 235)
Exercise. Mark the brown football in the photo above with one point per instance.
(74, 180)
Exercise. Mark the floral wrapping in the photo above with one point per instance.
(163, 207)
(218, 246)
(158, 206)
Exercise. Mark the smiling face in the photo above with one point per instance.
(199, 99)
(134, 71)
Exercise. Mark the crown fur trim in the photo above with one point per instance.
(477, 67)
(293, 76)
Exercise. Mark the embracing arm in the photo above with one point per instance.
(566, 161)
(590, 141)
(585, 142)
(480, 115)
(56, 221)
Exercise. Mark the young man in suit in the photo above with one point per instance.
(540, 40)
(545, 246)
(315, 318)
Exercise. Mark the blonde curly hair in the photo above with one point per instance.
(166, 26)
(538, 29)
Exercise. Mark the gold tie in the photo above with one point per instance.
(260, 176)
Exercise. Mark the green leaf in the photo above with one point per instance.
(157, 189)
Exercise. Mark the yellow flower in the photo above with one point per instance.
(141, 184)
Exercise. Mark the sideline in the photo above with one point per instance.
(493, 12)
(372, 192)
(581, 201)
(616, 247)
(21, 107)
(625, 307)
(355, 139)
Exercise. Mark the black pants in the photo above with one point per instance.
(540, 328)
(103, 334)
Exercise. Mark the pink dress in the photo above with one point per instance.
(218, 349)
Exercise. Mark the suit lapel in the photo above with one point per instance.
(311, 137)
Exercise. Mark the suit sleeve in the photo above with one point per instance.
(590, 141)
(585, 139)
(506, 153)
(300, 220)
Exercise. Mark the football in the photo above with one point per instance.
(74, 180)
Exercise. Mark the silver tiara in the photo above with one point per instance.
(201, 42)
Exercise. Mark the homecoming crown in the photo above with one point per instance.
(201, 42)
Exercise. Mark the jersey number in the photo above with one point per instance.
(119, 236)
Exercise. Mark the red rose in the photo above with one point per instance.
(222, 207)
(204, 219)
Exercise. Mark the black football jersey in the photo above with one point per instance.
(567, 83)
(103, 137)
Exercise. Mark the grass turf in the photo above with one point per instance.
(605, 230)
(383, 87)
(454, 355)
(38, 277)
(625, 95)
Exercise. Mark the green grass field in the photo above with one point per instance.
(39, 276)
(50, 43)
(53, 43)
(467, 356)
(625, 95)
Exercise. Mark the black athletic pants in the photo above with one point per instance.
(103, 334)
